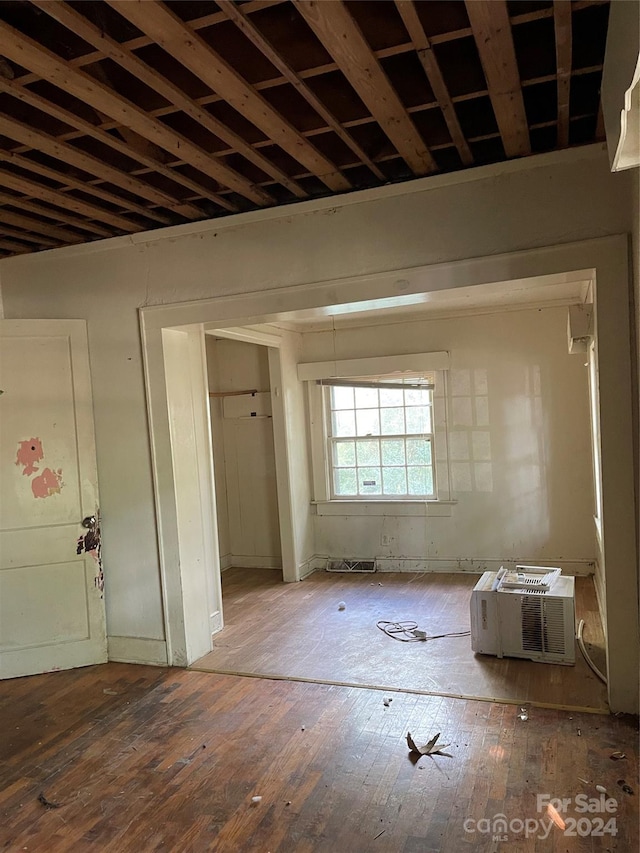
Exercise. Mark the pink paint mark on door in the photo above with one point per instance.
(29, 452)
(48, 483)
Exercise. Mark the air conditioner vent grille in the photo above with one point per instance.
(554, 633)
(532, 624)
(351, 565)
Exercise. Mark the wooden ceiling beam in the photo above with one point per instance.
(196, 24)
(99, 132)
(309, 73)
(341, 37)
(28, 53)
(247, 27)
(26, 203)
(184, 44)
(382, 53)
(549, 78)
(562, 26)
(69, 183)
(40, 242)
(67, 202)
(66, 153)
(427, 57)
(254, 5)
(317, 70)
(111, 49)
(85, 128)
(212, 18)
(14, 248)
(60, 235)
(416, 108)
(272, 82)
(492, 33)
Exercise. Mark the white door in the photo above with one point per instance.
(51, 598)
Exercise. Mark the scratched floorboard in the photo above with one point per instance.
(297, 630)
(168, 760)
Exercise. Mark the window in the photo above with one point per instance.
(380, 439)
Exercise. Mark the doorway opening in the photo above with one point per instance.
(185, 555)
(244, 460)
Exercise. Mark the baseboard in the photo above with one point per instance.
(453, 565)
(313, 564)
(226, 562)
(137, 650)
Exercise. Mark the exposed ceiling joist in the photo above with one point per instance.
(66, 153)
(13, 247)
(67, 202)
(28, 53)
(85, 128)
(39, 242)
(562, 25)
(241, 19)
(431, 67)
(184, 44)
(34, 226)
(342, 38)
(26, 203)
(272, 100)
(111, 49)
(492, 33)
(68, 183)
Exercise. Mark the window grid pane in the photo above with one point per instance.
(398, 467)
(381, 442)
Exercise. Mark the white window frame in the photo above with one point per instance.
(440, 504)
(332, 440)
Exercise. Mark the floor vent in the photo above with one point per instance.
(351, 565)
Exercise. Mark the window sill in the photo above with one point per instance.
(434, 509)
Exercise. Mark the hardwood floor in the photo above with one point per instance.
(297, 631)
(142, 759)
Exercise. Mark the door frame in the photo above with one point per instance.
(604, 260)
(290, 569)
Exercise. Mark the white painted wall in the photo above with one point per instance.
(550, 199)
(244, 460)
(518, 439)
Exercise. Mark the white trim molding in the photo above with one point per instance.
(377, 366)
(605, 259)
(418, 509)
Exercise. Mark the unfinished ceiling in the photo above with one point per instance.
(119, 117)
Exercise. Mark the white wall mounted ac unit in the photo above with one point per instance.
(530, 622)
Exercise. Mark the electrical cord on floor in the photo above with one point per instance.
(408, 632)
(585, 653)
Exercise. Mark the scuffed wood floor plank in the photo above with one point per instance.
(168, 760)
(296, 631)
